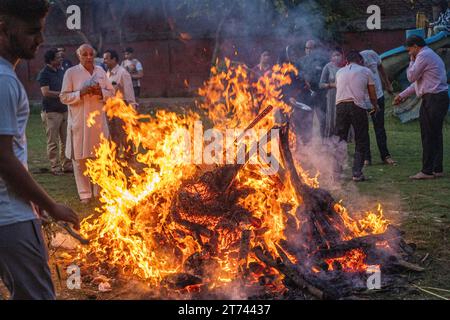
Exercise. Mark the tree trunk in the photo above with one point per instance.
(118, 17)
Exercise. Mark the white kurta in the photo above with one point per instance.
(82, 139)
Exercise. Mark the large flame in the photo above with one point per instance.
(134, 231)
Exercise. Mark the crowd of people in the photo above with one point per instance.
(71, 94)
(341, 90)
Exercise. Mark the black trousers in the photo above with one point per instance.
(319, 105)
(302, 124)
(380, 133)
(349, 114)
(137, 92)
(321, 117)
(432, 114)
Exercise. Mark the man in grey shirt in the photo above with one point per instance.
(23, 258)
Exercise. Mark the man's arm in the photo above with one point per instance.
(106, 88)
(44, 82)
(416, 69)
(405, 94)
(127, 86)
(324, 78)
(373, 96)
(46, 92)
(385, 79)
(68, 95)
(20, 181)
(139, 72)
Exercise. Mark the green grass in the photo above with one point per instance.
(61, 188)
(420, 208)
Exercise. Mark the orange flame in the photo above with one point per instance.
(134, 230)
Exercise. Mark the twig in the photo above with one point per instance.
(438, 289)
(425, 257)
(409, 266)
(429, 292)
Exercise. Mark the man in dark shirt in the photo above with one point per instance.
(311, 66)
(65, 63)
(54, 113)
(293, 94)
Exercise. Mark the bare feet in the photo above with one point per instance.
(390, 161)
(422, 176)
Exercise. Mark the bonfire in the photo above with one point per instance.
(201, 230)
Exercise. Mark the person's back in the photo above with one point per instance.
(351, 84)
(372, 61)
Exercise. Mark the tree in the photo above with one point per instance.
(281, 14)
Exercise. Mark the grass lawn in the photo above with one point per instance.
(421, 209)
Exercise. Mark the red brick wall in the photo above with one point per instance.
(380, 41)
(169, 61)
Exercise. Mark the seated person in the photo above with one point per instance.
(443, 22)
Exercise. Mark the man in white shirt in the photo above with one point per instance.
(121, 81)
(353, 83)
(134, 67)
(373, 61)
(85, 89)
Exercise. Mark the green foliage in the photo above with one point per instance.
(277, 13)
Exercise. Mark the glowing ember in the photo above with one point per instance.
(353, 261)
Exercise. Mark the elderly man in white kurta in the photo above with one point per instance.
(85, 89)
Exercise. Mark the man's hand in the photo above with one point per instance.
(389, 88)
(96, 90)
(374, 110)
(132, 68)
(61, 212)
(398, 99)
(85, 91)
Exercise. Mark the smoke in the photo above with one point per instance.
(247, 27)
(328, 159)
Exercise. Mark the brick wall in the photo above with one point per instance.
(170, 62)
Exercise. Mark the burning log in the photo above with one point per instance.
(244, 250)
(289, 272)
(194, 227)
(370, 241)
(180, 281)
(408, 265)
(321, 221)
